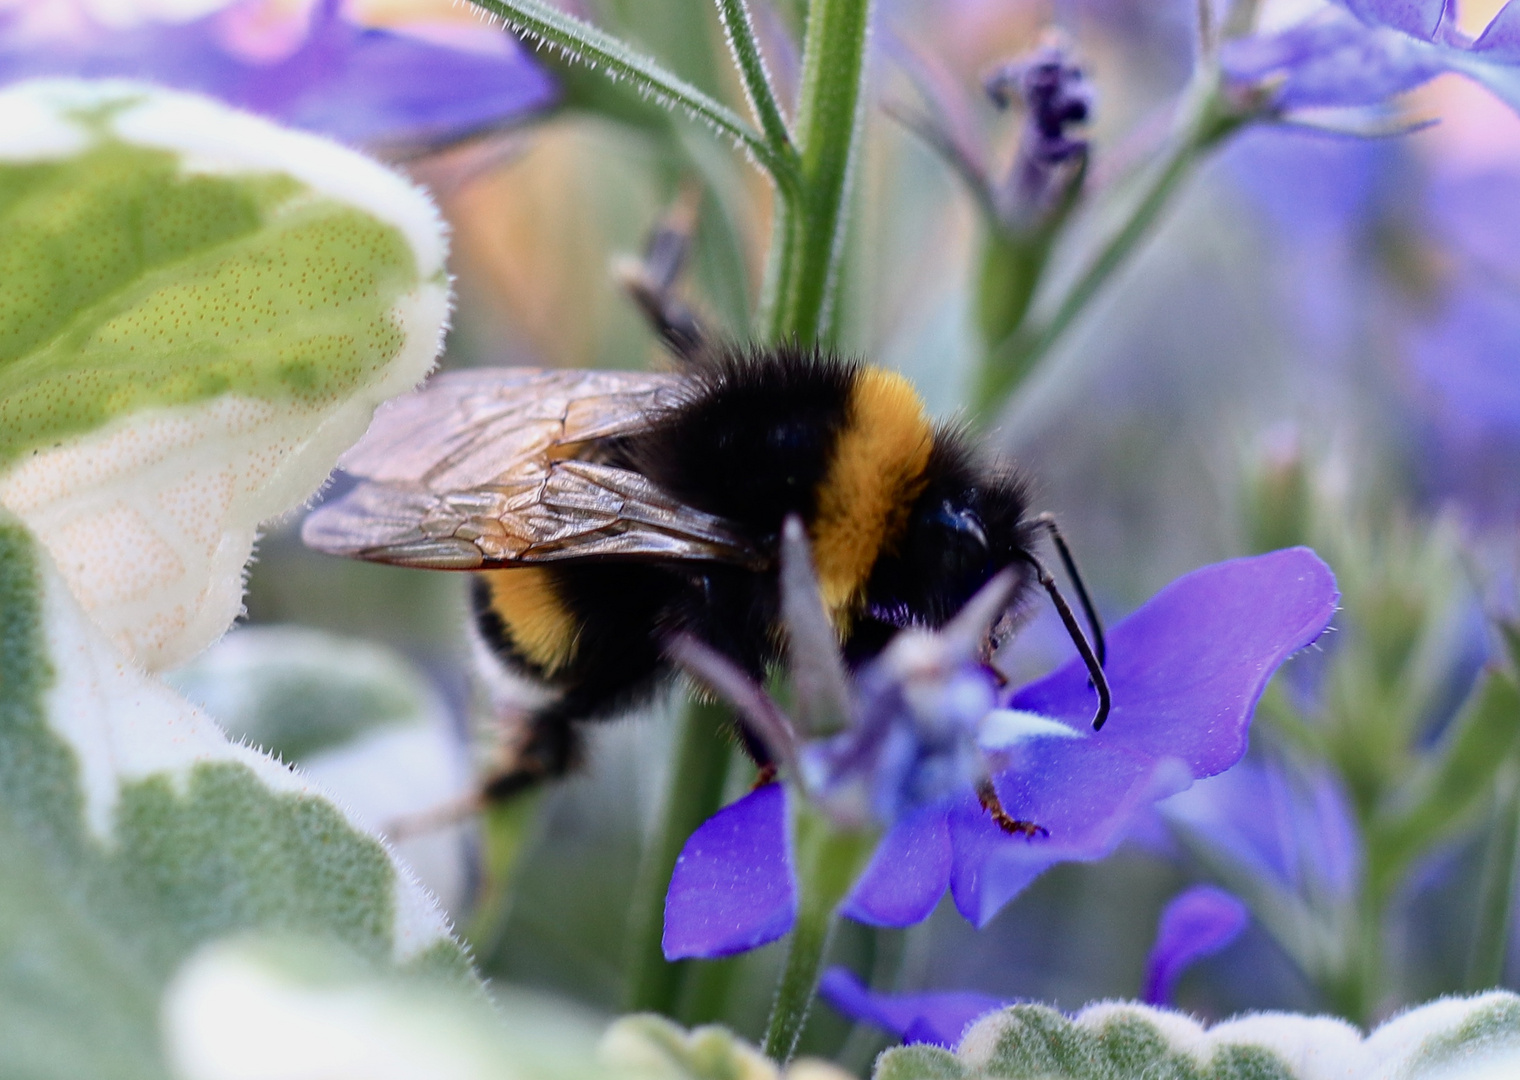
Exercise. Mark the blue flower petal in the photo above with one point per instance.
(1500, 40)
(1417, 18)
(937, 1018)
(1084, 793)
(1333, 63)
(361, 85)
(907, 875)
(1198, 922)
(1188, 667)
(1186, 670)
(733, 887)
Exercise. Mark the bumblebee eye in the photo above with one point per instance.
(963, 524)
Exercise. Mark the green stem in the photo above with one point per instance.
(697, 776)
(540, 21)
(740, 30)
(1208, 122)
(828, 862)
(808, 243)
(1496, 889)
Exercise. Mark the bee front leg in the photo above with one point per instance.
(651, 280)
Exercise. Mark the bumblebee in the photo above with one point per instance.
(603, 513)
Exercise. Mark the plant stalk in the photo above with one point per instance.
(828, 862)
(698, 772)
(1496, 888)
(808, 241)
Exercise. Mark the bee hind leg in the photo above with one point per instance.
(551, 749)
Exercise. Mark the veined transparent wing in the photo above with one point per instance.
(479, 469)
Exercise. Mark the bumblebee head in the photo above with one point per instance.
(966, 523)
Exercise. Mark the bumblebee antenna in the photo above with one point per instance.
(1048, 523)
(1078, 638)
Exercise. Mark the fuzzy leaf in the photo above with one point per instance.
(1124, 1041)
(293, 691)
(292, 1009)
(649, 1047)
(200, 312)
(132, 832)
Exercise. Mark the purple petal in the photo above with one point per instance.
(1296, 831)
(939, 1018)
(1187, 670)
(733, 887)
(907, 875)
(361, 85)
(1198, 922)
(1417, 18)
(1085, 793)
(1333, 63)
(1188, 667)
(1500, 39)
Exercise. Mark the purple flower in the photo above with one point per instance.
(1367, 51)
(1186, 671)
(1198, 922)
(1292, 832)
(937, 1017)
(363, 85)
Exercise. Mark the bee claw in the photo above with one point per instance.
(987, 794)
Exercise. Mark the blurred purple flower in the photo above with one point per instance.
(1186, 671)
(1056, 96)
(939, 1018)
(1291, 831)
(1365, 52)
(1198, 922)
(1461, 352)
(367, 86)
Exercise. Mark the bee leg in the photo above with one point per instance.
(651, 280)
(551, 749)
(1013, 826)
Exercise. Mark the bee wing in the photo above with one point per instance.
(469, 473)
(466, 429)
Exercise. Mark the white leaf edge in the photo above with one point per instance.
(234, 1011)
(126, 725)
(153, 517)
(1313, 1047)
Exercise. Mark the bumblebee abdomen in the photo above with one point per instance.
(526, 618)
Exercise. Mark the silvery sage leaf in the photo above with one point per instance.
(132, 832)
(294, 691)
(649, 1047)
(291, 1009)
(199, 311)
(1450, 1039)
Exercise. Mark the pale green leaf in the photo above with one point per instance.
(649, 1047)
(200, 312)
(132, 832)
(293, 691)
(1444, 1040)
(294, 1009)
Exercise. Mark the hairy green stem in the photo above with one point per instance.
(808, 240)
(1496, 889)
(694, 793)
(1209, 121)
(740, 31)
(828, 862)
(539, 21)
